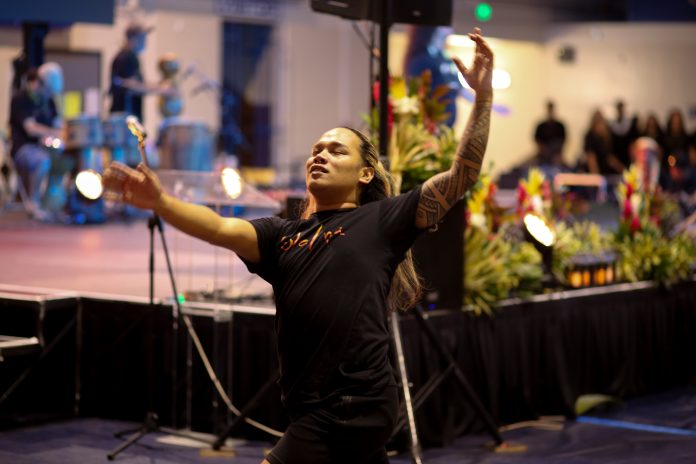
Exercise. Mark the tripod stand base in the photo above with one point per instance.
(507, 448)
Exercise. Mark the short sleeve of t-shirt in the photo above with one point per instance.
(268, 230)
(126, 66)
(398, 219)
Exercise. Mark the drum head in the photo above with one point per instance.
(83, 132)
(186, 145)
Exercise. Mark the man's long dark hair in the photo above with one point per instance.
(406, 287)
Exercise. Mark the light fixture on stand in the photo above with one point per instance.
(85, 204)
(541, 234)
(231, 182)
(89, 184)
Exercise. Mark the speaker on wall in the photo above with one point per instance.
(424, 12)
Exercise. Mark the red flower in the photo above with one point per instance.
(521, 194)
(627, 209)
(390, 108)
(629, 190)
(546, 190)
(492, 188)
(635, 224)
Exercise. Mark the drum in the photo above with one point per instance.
(56, 195)
(186, 145)
(122, 144)
(83, 132)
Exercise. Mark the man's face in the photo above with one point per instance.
(138, 43)
(335, 169)
(33, 86)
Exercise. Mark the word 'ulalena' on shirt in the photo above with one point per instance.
(288, 243)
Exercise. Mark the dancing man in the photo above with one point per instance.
(336, 273)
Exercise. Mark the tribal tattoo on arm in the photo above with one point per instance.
(442, 191)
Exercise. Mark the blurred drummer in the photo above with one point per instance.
(170, 100)
(127, 85)
(34, 121)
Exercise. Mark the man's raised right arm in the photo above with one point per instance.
(140, 187)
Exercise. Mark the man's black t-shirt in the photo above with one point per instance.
(331, 275)
(24, 106)
(126, 66)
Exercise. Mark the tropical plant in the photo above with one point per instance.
(420, 144)
(572, 240)
(646, 252)
(649, 255)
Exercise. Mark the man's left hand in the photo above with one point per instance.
(480, 75)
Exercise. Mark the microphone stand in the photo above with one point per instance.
(150, 422)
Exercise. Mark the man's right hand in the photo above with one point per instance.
(139, 187)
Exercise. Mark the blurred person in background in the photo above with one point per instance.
(678, 160)
(653, 130)
(597, 147)
(621, 136)
(550, 136)
(127, 82)
(34, 121)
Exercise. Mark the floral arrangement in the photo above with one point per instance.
(420, 144)
(482, 211)
(634, 204)
(495, 262)
(534, 195)
(646, 251)
(498, 262)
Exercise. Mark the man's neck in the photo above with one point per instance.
(333, 206)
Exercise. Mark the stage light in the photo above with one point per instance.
(89, 184)
(539, 233)
(539, 230)
(501, 79)
(460, 41)
(483, 12)
(231, 182)
(54, 143)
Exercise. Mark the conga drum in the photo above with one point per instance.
(83, 132)
(186, 145)
(56, 195)
(122, 145)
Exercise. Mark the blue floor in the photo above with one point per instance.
(669, 420)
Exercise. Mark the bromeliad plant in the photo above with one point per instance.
(534, 195)
(634, 203)
(420, 144)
